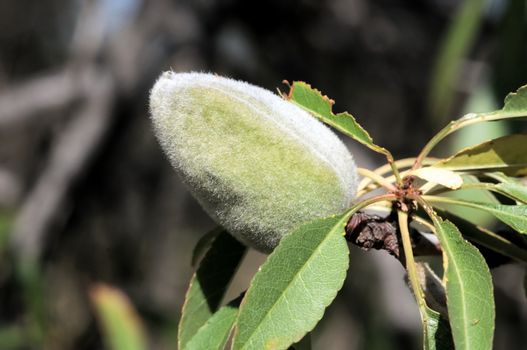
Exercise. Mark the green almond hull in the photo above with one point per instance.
(259, 165)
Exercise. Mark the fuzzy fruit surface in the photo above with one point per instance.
(259, 165)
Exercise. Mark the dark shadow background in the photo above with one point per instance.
(86, 196)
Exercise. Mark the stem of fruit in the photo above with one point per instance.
(410, 264)
(368, 184)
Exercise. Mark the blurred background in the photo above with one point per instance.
(87, 197)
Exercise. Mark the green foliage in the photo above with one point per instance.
(513, 215)
(290, 292)
(119, 321)
(214, 333)
(515, 104)
(321, 106)
(469, 289)
(486, 237)
(512, 190)
(208, 285)
(507, 154)
(260, 166)
(301, 277)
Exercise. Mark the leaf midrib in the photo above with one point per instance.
(456, 271)
(250, 337)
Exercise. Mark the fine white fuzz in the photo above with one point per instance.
(259, 165)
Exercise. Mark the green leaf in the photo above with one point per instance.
(507, 154)
(443, 177)
(513, 215)
(437, 333)
(119, 321)
(475, 191)
(289, 294)
(515, 106)
(513, 190)
(312, 100)
(500, 177)
(485, 237)
(213, 335)
(468, 283)
(516, 101)
(303, 344)
(208, 285)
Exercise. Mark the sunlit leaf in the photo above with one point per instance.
(486, 237)
(500, 177)
(471, 192)
(312, 100)
(208, 285)
(507, 154)
(516, 101)
(289, 294)
(468, 283)
(515, 106)
(513, 215)
(439, 176)
(121, 326)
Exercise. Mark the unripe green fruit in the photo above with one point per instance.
(259, 165)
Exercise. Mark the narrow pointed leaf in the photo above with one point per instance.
(437, 334)
(289, 294)
(213, 335)
(500, 177)
(507, 154)
(486, 238)
(513, 215)
(208, 285)
(120, 323)
(513, 190)
(443, 177)
(473, 190)
(468, 283)
(312, 100)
